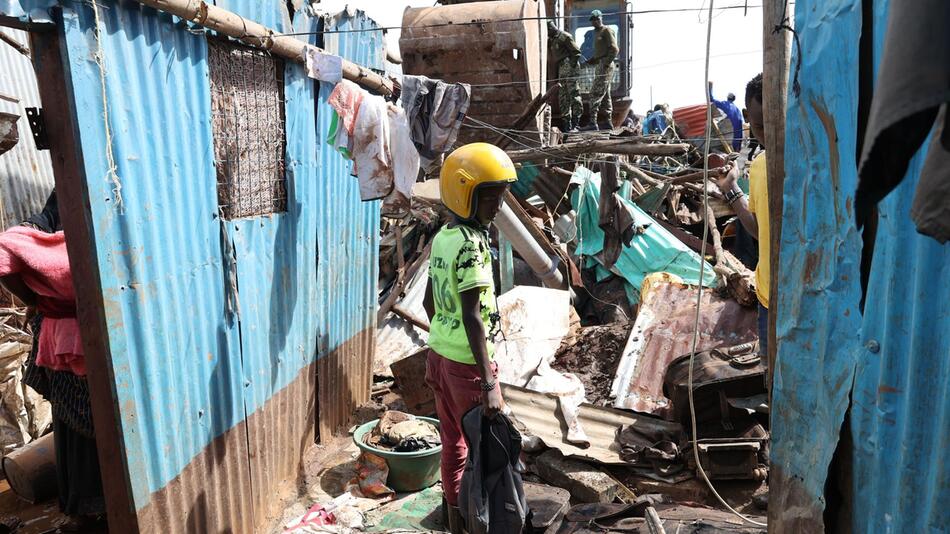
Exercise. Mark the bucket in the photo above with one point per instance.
(31, 470)
(408, 471)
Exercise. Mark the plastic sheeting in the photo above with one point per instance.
(655, 250)
(24, 414)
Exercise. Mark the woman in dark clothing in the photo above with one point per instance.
(77, 462)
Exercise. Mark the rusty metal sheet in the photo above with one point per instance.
(540, 416)
(503, 58)
(663, 331)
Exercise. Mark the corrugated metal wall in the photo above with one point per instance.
(818, 319)
(900, 411)
(345, 265)
(26, 174)
(893, 363)
(216, 407)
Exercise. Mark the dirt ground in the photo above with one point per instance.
(39, 518)
(593, 354)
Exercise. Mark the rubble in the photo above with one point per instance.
(593, 356)
(585, 483)
(588, 373)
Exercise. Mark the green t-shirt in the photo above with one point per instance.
(460, 261)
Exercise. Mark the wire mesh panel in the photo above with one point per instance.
(247, 118)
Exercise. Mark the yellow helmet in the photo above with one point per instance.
(466, 169)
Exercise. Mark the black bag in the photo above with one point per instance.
(718, 375)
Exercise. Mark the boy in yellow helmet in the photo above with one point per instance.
(460, 303)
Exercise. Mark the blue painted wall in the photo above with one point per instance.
(898, 394)
(187, 370)
(900, 414)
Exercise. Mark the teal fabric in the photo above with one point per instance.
(655, 250)
(526, 177)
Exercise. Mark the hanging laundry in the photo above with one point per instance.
(338, 138)
(322, 66)
(371, 146)
(405, 160)
(377, 137)
(41, 261)
(346, 98)
(910, 103)
(435, 110)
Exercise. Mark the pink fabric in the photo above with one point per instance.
(346, 99)
(42, 262)
(457, 389)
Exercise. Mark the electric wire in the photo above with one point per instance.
(699, 291)
(520, 19)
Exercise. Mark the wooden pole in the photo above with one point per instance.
(50, 63)
(15, 44)
(631, 146)
(776, 47)
(257, 35)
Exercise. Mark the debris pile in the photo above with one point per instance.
(595, 370)
(593, 356)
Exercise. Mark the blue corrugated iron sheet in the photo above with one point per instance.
(893, 363)
(818, 321)
(343, 260)
(176, 356)
(187, 371)
(348, 252)
(27, 10)
(900, 413)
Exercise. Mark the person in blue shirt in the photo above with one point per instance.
(655, 121)
(731, 110)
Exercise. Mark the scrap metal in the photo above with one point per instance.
(663, 331)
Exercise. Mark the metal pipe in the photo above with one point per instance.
(257, 35)
(529, 249)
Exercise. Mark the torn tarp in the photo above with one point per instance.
(653, 250)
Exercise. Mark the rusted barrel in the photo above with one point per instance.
(499, 47)
(31, 470)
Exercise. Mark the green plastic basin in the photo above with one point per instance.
(408, 471)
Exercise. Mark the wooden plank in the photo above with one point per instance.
(776, 51)
(625, 145)
(49, 62)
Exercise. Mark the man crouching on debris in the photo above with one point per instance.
(460, 303)
(754, 212)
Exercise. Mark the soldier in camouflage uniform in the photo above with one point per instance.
(565, 55)
(605, 52)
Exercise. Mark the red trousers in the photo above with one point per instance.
(457, 389)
